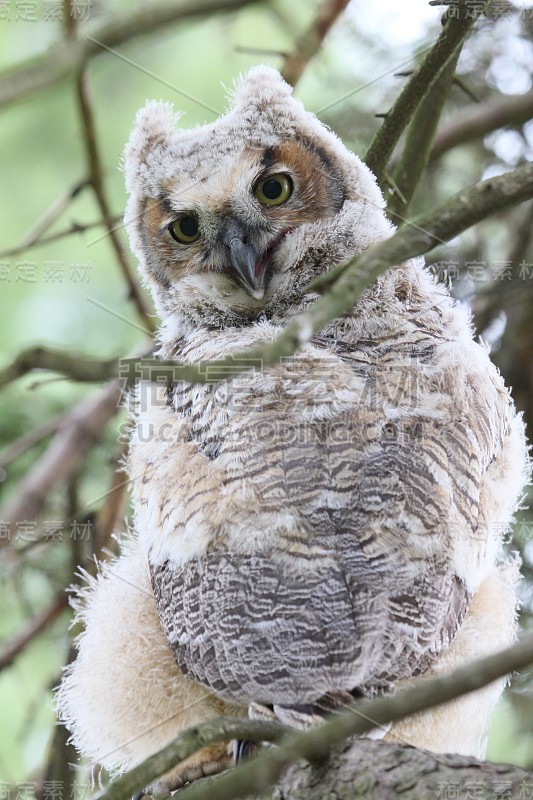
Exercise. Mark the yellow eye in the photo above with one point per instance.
(185, 229)
(274, 190)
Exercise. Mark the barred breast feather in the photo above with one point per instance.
(326, 524)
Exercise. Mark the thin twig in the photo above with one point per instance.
(308, 45)
(97, 183)
(24, 443)
(32, 629)
(44, 222)
(455, 31)
(75, 227)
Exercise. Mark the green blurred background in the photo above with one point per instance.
(70, 293)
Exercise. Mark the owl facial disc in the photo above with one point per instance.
(247, 264)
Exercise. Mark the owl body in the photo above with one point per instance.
(322, 528)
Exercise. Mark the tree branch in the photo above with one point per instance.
(350, 279)
(419, 236)
(97, 183)
(308, 45)
(72, 365)
(75, 227)
(314, 745)
(420, 134)
(189, 742)
(30, 439)
(475, 121)
(33, 236)
(367, 770)
(456, 29)
(83, 427)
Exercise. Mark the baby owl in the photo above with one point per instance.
(313, 531)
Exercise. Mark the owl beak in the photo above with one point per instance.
(248, 266)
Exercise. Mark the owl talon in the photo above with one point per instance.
(209, 761)
(243, 749)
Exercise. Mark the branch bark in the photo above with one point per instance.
(70, 56)
(368, 770)
(456, 29)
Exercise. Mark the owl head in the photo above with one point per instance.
(232, 219)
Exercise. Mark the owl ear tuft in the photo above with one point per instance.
(261, 85)
(152, 133)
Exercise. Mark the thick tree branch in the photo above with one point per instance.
(314, 745)
(308, 45)
(455, 31)
(71, 55)
(368, 770)
(475, 121)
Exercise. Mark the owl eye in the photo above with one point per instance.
(274, 190)
(185, 229)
